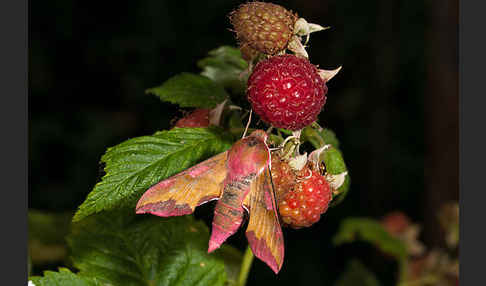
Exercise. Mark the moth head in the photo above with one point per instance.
(249, 155)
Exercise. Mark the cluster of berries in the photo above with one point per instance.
(286, 91)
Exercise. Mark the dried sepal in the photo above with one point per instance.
(298, 162)
(327, 75)
(296, 46)
(336, 181)
(216, 113)
(315, 156)
(304, 29)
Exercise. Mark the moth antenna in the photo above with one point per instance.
(269, 129)
(248, 123)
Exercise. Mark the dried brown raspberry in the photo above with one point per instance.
(265, 27)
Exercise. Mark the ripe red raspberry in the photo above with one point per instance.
(197, 118)
(265, 27)
(286, 91)
(304, 205)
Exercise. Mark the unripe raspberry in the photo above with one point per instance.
(266, 27)
(283, 177)
(303, 206)
(197, 118)
(286, 91)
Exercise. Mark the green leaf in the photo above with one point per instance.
(63, 277)
(334, 161)
(136, 164)
(190, 90)
(123, 249)
(225, 67)
(371, 231)
(357, 274)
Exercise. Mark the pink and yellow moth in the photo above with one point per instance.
(240, 180)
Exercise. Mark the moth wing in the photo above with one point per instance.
(183, 192)
(264, 233)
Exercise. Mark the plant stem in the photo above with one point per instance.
(245, 266)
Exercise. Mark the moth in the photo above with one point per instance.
(240, 180)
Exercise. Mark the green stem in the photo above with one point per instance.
(245, 266)
(403, 270)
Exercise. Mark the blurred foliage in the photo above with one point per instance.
(47, 237)
(357, 274)
(90, 63)
(371, 231)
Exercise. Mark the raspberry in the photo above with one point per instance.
(283, 177)
(303, 206)
(197, 118)
(266, 27)
(286, 91)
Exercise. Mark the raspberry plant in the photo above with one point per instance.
(109, 244)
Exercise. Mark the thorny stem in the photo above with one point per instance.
(245, 266)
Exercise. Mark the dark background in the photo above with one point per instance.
(394, 106)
